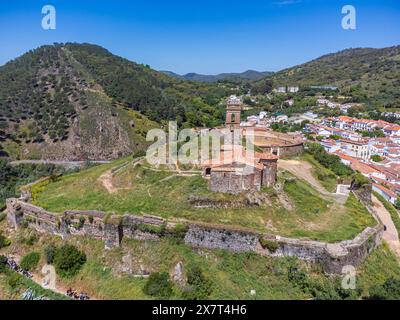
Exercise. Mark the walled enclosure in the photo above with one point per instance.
(280, 144)
(113, 228)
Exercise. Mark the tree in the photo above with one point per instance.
(158, 285)
(199, 287)
(376, 158)
(68, 260)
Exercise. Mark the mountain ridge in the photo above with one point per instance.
(246, 75)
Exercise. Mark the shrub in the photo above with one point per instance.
(3, 264)
(359, 180)
(376, 158)
(397, 203)
(272, 246)
(14, 279)
(30, 261)
(4, 242)
(390, 290)
(298, 277)
(49, 253)
(329, 161)
(199, 287)
(159, 230)
(68, 260)
(178, 232)
(2, 216)
(158, 285)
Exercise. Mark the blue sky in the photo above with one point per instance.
(205, 36)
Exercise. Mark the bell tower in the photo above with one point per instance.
(233, 110)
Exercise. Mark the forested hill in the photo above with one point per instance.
(232, 77)
(79, 101)
(372, 75)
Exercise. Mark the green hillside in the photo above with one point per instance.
(369, 75)
(79, 101)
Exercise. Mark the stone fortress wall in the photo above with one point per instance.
(281, 144)
(113, 228)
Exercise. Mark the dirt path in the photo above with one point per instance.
(390, 235)
(302, 169)
(106, 180)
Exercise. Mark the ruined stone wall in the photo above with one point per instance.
(93, 224)
(113, 228)
(270, 173)
(284, 150)
(291, 151)
(214, 238)
(363, 193)
(230, 182)
(332, 257)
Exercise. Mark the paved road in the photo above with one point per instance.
(390, 235)
(69, 164)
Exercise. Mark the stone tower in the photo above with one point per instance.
(233, 109)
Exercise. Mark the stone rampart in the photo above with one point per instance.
(113, 228)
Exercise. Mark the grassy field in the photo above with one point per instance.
(233, 275)
(298, 211)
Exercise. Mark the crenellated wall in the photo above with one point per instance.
(113, 228)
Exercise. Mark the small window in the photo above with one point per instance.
(208, 171)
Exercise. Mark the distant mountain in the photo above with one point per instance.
(247, 75)
(79, 101)
(369, 74)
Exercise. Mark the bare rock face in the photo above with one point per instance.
(178, 275)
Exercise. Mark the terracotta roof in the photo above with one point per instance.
(385, 190)
(231, 155)
(344, 156)
(362, 167)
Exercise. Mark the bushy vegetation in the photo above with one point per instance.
(272, 246)
(30, 261)
(390, 290)
(12, 177)
(329, 161)
(286, 127)
(68, 260)
(158, 285)
(4, 242)
(49, 252)
(376, 158)
(198, 286)
(3, 263)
